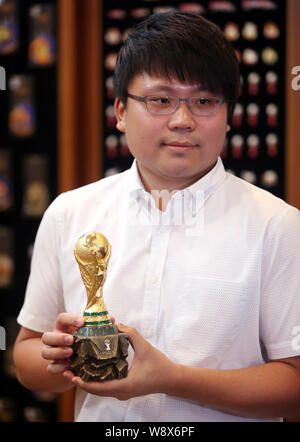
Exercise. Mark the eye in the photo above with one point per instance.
(203, 101)
(160, 100)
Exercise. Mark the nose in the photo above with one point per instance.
(182, 118)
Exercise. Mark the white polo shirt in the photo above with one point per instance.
(212, 282)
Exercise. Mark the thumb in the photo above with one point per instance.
(136, 339)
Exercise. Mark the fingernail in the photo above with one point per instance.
(69, 340)
(79, 322)
(68, 351)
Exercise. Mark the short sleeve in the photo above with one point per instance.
(280, 287)
(44, 295)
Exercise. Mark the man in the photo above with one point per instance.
(204, 269)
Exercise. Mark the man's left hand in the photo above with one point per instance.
(151, 372)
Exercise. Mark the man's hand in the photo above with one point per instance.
(151, 372)
(57, 343)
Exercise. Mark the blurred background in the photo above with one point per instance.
(57, 127)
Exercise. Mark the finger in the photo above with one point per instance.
(68, 374)
(57, 339)
(111, 388)
(58, 367)
(56, 353)
(66, 321)
(136, 339)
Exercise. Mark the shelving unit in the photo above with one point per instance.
(28, 152)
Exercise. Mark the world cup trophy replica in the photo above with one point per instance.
(99, 350)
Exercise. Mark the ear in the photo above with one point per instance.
(228, 128)
(120, 112)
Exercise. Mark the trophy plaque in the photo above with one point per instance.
(99, 350)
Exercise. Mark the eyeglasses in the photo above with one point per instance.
(166, 105)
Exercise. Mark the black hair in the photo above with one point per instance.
(180, 45)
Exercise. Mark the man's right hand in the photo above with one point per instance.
(57, 344)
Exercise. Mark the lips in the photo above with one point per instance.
(179, 146)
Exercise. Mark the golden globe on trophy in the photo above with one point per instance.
(99, 350)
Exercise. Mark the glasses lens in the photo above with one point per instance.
(161, 105)
(204, 106)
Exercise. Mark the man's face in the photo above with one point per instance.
(172, 151)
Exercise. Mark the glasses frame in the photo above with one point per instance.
(179, 100)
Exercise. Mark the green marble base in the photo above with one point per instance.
(90, 330)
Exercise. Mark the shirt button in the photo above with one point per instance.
(154, 280)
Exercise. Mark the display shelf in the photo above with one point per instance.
(258, 34)
(28, 127)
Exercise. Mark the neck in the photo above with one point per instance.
(162, 189)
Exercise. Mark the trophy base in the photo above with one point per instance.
(98, 356)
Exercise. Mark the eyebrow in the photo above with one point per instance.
(171, 90)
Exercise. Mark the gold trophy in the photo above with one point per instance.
(99, 350)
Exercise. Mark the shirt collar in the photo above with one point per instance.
(198, 192)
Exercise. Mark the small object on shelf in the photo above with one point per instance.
(9, 27)
(237, 117)
(271, 30)
(22, 112)
(42, 40)
(138, 13)
(269, 178)
(163, 9)
(221, 6)
(110, 117)
(109, 88)
(250, 57)
(269, 56)
(272, 114)
(7, 264)
(6, 185)
(253, 83)
(248, 176)
(231, 31)
(258, 4)
(272, 145)
(252, 114)
(111, 145)
(192, 8)
(113, 36)
(112, 171)
(272, 83)
(250, 31)
(36, 190)
(110, 61)
(237, 143)
(253, 146)
(116, 14)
